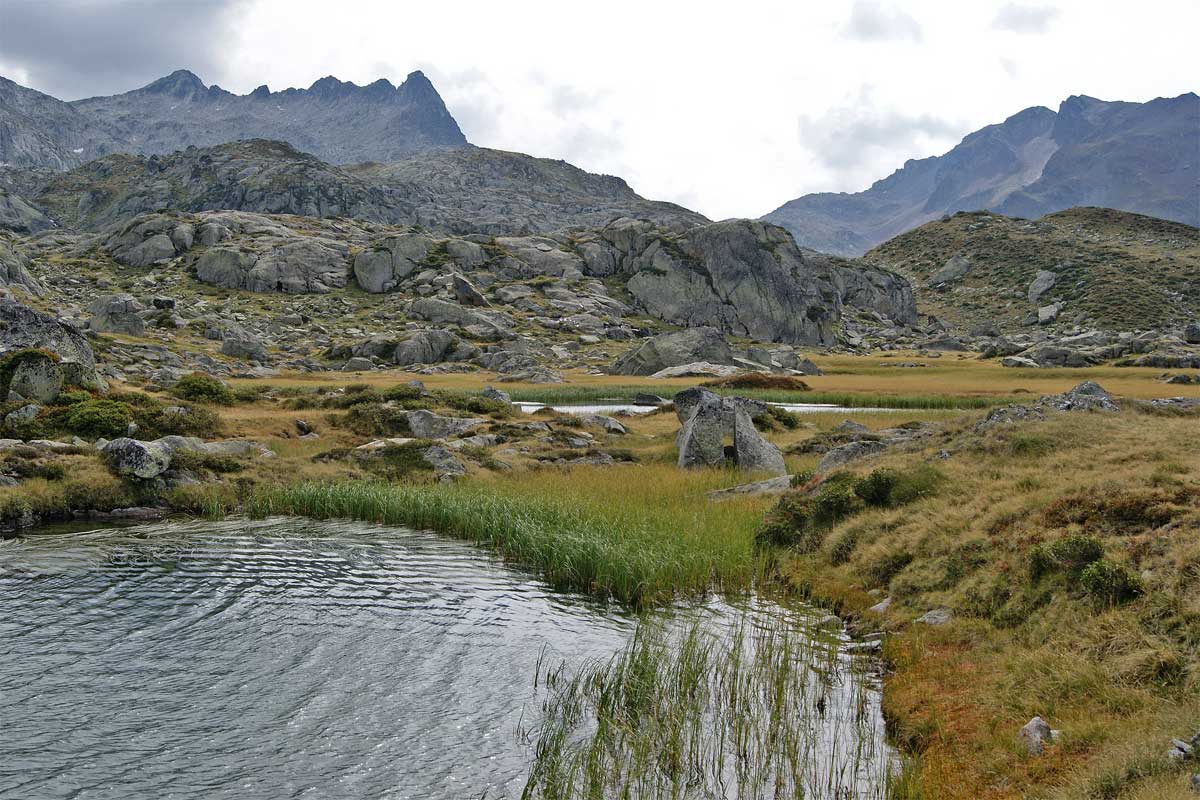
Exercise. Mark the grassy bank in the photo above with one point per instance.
(1068, 553)
(640, 535)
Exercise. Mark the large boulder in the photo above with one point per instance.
(117, 313)
(23, 328)
(382, 267)
(954, 269)
(674, 349)
(712, 421)
(426, 425)
(1191, 333)
(136, 459)
(1042, 283)
(34, 375)
(433, 347)
(240, 343)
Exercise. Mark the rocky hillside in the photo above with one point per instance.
(470, 189)
(216, 290)
(338, 121)
(1140, 157)
(1087, 267)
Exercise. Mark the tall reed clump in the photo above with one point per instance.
(763, 709)
(597, 543)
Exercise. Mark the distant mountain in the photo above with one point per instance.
(337, 121)
(1140, 157)
(1102, 268)
(461, 190)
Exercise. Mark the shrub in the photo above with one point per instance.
(374, 419)
(843, 546)
(888, 488)
(196, 461)
(72, 397)
(249, 392)
(100, 417)
(759, 380)
(400, 461)
(201, 388)
(882, 569)
(800, 519)
(402, 391)
(179, 421)
(1109, 583)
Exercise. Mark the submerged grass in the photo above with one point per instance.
(757, 706)
(606, 537)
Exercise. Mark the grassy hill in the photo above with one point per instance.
(1113, 269)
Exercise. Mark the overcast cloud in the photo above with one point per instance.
(731, 109)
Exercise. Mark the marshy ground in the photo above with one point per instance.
(1067, 550)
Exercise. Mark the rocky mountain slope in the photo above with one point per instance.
(338, 121)
(1140, 157)
(214, 288)
(1090, 267)
(468, 189)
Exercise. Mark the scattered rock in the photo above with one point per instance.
(937, 616)
(1042, 283)
(426, 425)
(674, 349)
(135, 459)
(882, 606)
(697, 369)
(1033, 735)
(771, 486)
(495, 394)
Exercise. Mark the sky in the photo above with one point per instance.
(730, 109)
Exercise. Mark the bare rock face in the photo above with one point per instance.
(674, 349)
(296, 266)
(22, 328)
(711, 421)
(14, 270)
(381, 268)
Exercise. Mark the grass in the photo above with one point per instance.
(1005, 541)
(713, 708)
(659, 541)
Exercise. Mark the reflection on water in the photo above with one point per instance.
(283, 658)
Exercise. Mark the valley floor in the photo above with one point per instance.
(1003, 530)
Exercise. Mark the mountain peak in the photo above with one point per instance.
(179, 83)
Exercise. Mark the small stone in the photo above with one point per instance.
(1033, 735)
(938, 616)
(882, 606)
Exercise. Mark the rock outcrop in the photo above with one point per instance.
(674, 349)
(21, 327)
(709, 422)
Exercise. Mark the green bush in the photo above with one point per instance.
(196, 461)
(178, 421)
(889, 488)
(402, 391)
(1109, 583)
(99, 417)
(72, 397)
(1071, 554)
(400, 461)
(374, 419)
(800, 520)
(249, 392)
(201, 388)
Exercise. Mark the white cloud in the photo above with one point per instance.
(871, 21)
(1024, 19)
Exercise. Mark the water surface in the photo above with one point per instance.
(277, 659)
